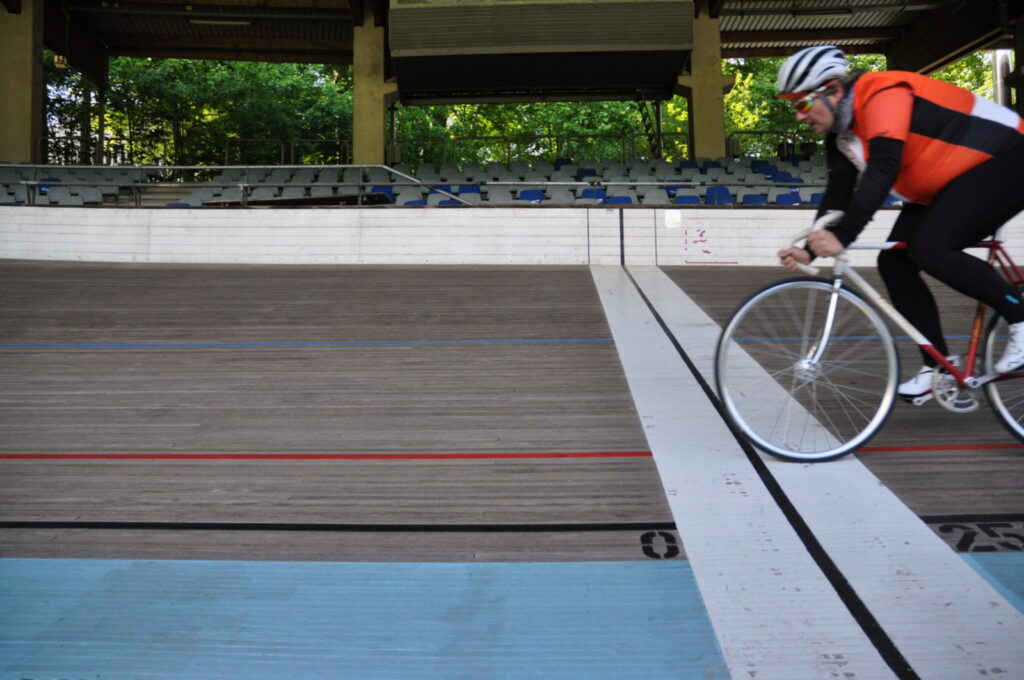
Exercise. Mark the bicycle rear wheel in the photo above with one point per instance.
(1005, 395)
(789, 405)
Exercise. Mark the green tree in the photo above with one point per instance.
(482, 132)
(973, 72)
(182, 112)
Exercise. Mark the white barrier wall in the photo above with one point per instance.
(522, 236)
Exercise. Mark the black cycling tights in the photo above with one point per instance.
(968, 210)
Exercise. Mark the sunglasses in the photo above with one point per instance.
(806, 103)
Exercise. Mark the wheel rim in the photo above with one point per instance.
(789, 406)
(1005, 396)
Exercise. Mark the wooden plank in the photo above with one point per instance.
(981, 478)
(173, 359)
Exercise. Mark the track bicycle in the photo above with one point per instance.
(807, 368)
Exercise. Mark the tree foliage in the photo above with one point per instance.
(181, 112)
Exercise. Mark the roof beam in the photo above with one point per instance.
(279, 57)
(119, 42)
(757, 52)
(943, 36)
(817, 35)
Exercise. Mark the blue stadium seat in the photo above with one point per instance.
(687, 199)
(385, 189)
(754, 199)
(532, 195)
(617, 200)
(719, 196)
(787, 199)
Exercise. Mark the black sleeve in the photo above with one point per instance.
(884, 156)
(842, 178)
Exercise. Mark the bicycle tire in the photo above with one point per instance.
(1005, 395)
(797, 411)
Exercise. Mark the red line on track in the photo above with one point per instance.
(321, 456)
(942, 447)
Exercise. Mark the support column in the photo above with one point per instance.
(21, 83)
(372, 95)
(705, 87)
(1016, 81)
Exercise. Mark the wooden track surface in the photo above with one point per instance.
(979, 479)
(224, 360)
(125, 359)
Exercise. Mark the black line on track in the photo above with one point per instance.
(334, 527)
(622, 237)
(953, 519)
(887, 649)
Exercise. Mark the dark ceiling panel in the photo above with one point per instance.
(918, 34)
(539, 77)
(500, 51)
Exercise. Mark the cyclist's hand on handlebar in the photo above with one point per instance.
(824, 243)
(790, 257)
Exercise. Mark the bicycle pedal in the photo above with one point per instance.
(919, 400)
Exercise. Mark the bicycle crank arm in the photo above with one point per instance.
(982, 380)
(923, 399)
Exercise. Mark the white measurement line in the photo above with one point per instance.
(775, 613)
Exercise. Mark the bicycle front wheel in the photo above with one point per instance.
(794, 393)
(1005, 394)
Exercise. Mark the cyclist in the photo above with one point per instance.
(956, 161)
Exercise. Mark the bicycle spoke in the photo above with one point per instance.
(789, 405)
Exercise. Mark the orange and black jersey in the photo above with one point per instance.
(912, 135)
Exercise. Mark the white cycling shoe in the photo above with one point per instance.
(1013, 357)
(919, 388)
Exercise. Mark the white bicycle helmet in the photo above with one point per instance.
(810, 68)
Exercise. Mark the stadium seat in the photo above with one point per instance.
(656, 197)
(385, 189)
(719, 196)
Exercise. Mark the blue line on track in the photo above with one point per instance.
(368, 343)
